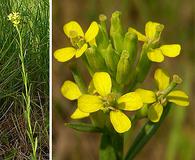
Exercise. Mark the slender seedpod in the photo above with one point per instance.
(116, 31)
(111, 59)
(95, 59)
(123, 68)
(130, 45)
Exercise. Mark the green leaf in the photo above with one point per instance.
(83, 127)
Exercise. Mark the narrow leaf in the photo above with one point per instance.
(83, 127)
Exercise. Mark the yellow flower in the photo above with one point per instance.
(153, 31)
(108, 101)
(157, 55)
(15, 18)
(79, 40)
(72, 92)
(178, 97)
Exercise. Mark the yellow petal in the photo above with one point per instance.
(140, 36)
(151, 29)
(73, 29)
(155, 55)
(92, 32)
(80, 51)
(178, 97)
(130, 101)
(147, 96)
(155, 112)
(64, 54)
(102, 83)
(89, 103)
(70, 90)
(79, 114)
(120, 121)
(171, 50)
(162, 79)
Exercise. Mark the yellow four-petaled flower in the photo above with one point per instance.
(153, 31)
(102, 100)
(79, 40)
(178, 97)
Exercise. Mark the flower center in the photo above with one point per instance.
(160, 98)
(76, 40)
(110, 101)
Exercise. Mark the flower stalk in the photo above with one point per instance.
(15, 19)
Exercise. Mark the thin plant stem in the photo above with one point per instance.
(146, 133)
(27, 98)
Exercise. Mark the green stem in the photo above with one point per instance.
(176, 80)
(27, 98)
(148, 130)
(84, 60)
(78, 78)
(111, 147)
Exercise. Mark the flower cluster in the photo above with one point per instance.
(116, 69)
(15, 18)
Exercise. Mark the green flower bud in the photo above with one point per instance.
(116, 31)
(111, 59)
(102, 39)
(95, 59)
(123, 69)
(130, 45)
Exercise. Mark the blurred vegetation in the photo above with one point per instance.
(14, 143)
(176, 138)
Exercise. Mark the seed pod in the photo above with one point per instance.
(130, 45)
(123, 69)
(116, 31)
(95, 60)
